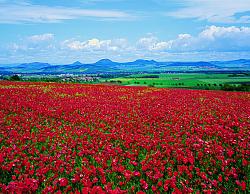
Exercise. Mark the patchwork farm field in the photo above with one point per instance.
(73, 138)
(212, 81)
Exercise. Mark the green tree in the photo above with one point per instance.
(15, 78)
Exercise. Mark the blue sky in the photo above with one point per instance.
(63, 31)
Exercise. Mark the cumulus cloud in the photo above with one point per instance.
(214, 32)
(211, 42)
(147, 43)
(41, 37)
(96, 45)
(151, 43)
(18, 13)
(221, 11)
(212, 38)
(226, 38)
(34, 44)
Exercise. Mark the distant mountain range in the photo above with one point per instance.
(108, 66)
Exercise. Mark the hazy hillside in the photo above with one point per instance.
(107, 66)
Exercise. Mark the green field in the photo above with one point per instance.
(184, 80)
(207, 81)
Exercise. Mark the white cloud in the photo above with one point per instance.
(147, 43)
(212, 43)
(212, 38)
(18, 13)
(41, 37)
(73, 45)
(226, 38)
(152, 43)
(222, 11)
(96, 45)
(214, 32)
(14, 47)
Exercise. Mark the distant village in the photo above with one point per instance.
(78, 78)
(51, 78)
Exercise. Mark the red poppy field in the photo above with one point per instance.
(72, 138)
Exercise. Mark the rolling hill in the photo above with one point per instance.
(140, 65)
